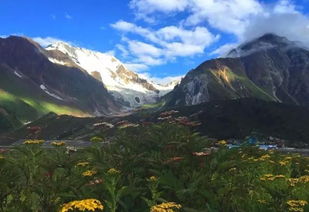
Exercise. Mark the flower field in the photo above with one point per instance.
(155, 168)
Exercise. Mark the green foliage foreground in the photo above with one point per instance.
(158, 168)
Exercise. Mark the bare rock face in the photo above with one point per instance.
(270, 68)
(129, 76)
(97, 75)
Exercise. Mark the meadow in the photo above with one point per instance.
(155, 167)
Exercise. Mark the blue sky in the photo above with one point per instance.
(157, 38)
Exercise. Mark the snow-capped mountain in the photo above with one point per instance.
(126, 86)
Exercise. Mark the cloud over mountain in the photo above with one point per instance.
(198, 24)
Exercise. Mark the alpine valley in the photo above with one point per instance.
(154, 106)
(268, 76)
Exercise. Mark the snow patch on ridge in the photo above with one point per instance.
(49, 93)
(53, 60)
(18, 74)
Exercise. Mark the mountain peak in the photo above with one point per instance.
(58, 44)
(265, 42)
(270, 38)
(126, 85)
(20, 41)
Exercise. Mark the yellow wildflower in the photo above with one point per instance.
(304, 179)
(232, 169)
(297, 203)
(113, 171)
(83, 205)
(262, 201)
(82, 164)
(34, 141)
(296, 209)
(96, 139)
(293, 181)
(270, 177)
(251, 158)
(89, 173)
(153, 179)
(222, 142)
(58, 143)
(283, 162)
(1, 157)
(264, 157)
(165, 207)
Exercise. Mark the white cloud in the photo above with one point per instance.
(124, 26)
(183, 49)
(165, 80)
(227, 15)
(198, 35)
(67, 16)
(224, 49)
(123, 50)
(143, 49)
(143, 8)
(285, 6)
(230, 16)
(136, 67)
(163, 44)
(45, 41)
(150, 6)
(160, 80)
(110, 52)
(283, 20)
(149, 60)
(127, 27)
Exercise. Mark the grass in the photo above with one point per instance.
(28, 109)
(145, 167)
(18, 108)
(230, 78)
(45, 107)
(26, 101)
(152, 106)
